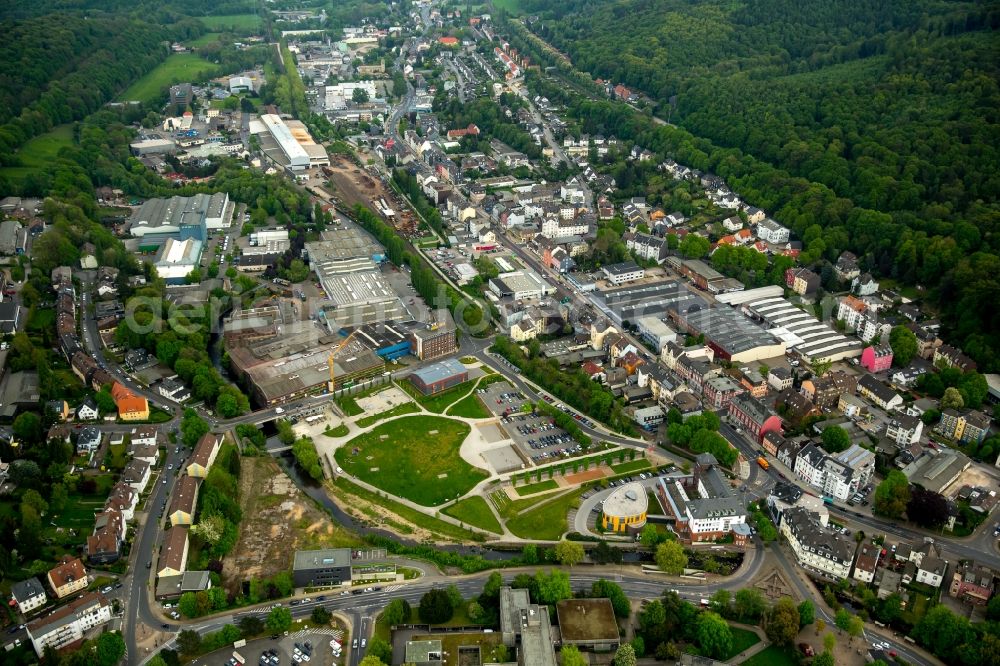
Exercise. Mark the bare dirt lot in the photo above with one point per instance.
(584, 477)
(354, 185)
(277, 520)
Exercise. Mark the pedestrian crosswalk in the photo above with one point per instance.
(334, 633)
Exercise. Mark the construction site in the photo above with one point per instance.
(354, 185)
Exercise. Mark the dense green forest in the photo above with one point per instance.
(869, 126)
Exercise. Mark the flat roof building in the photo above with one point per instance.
(588, 624)
(176, 259)
(321, 568)
(520, 285)
(625, 509)
(732, 336)
(294, 362)
(288, 143)
(439, 377)
(180, 217)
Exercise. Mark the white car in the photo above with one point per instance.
(279, 410)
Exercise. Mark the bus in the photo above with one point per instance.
(763, 462)
(828, 500)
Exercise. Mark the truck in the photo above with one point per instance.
(763, 462)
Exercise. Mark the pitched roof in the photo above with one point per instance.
(203, 450)
(174, 547)
(69, 570)
(185, 494)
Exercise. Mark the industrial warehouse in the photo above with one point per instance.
(296, 362)
(288, 143)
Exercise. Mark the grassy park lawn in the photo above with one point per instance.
(414, 457)
(337, 431)
(438, 401)
(631, 466)
(545, 521)
(533, 488)
(398, 410)
(474, 511)
(471, 407)
(773, 656)
(742, 639)
(234, 21)
(348, 491)
(176, 68)
(40, 151)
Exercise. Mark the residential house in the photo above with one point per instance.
(779, 378)
(123, 498)
(866, 562)
(68, 578)
(847, 266)
(927, 339)
(931, 571)
(875, 391)
(754, 383)
(59, 409)
(770, 231)
(802, 280)
(795, 407)
(877, 359)
(718, 391)
(104, 543)
(788, 452)
(173, 552)
(953, 358)
(136, 474)
(203, 456)
(837, 476)
(825, 391)
(754, 215)
(184, 501)
(89, 440)
(87, 411)
(904, 429)
(964, 426)
(131, 407)
(973, 583)
(816, 547)
(732, 224)
(864, 285)
(772, 442)
(28, 595)
(173, 389)
(747, 411)
(70, 623)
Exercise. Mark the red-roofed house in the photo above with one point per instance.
(459, 133)
(448, 41)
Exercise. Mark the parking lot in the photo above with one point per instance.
(302, 647)
(536, 435)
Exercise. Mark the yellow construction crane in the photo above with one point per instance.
(329, 360)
